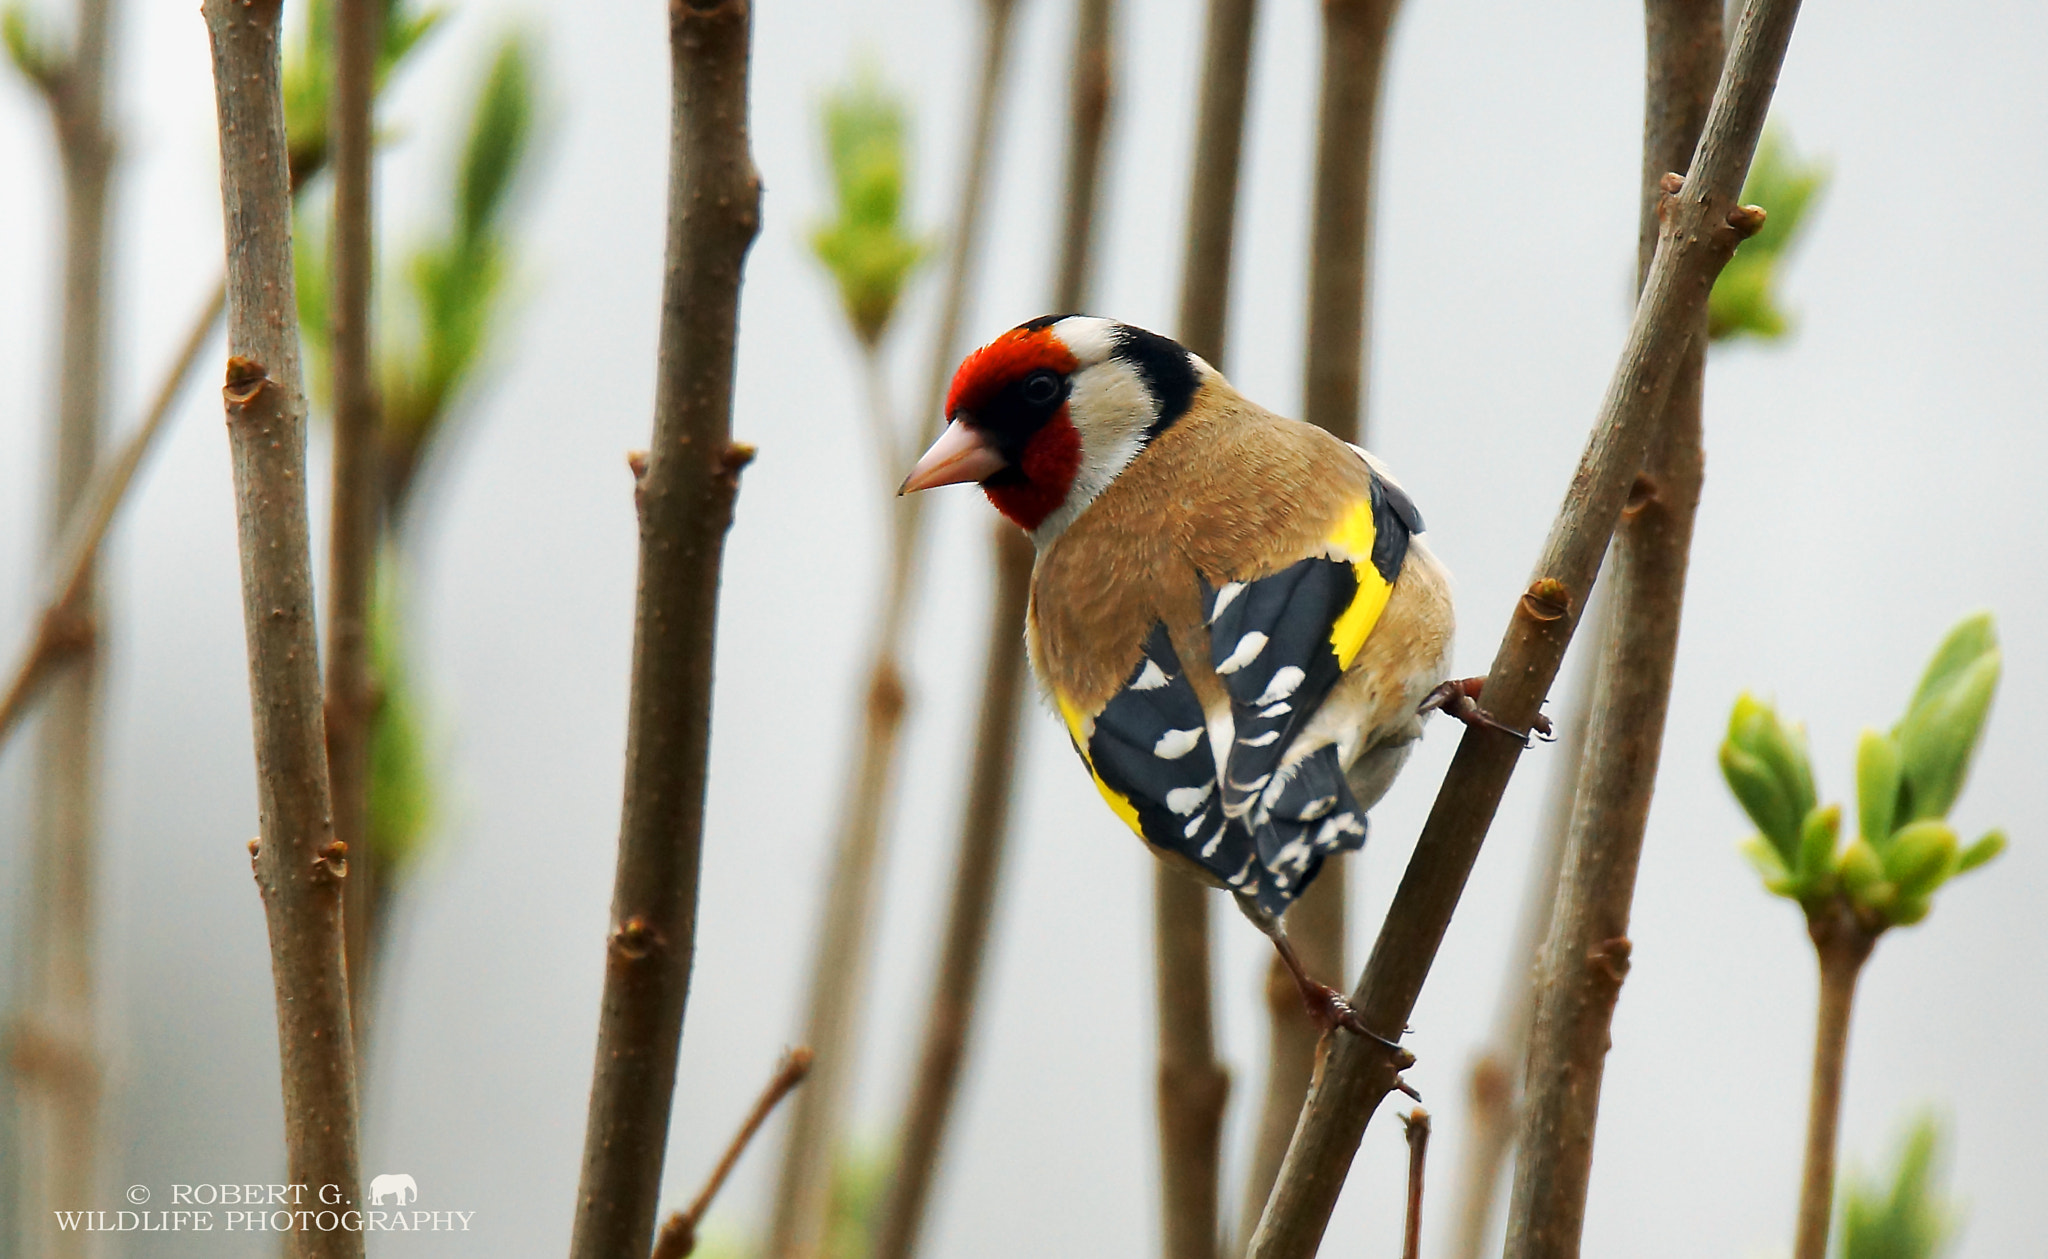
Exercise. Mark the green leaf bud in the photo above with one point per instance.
(1861, 869)
(1877, 785)
(1939, 736)
(1763, 798)
(1992, 843)
(1817, 837)
(1907, 910)
(1973, 638)
(1754, 728)
(1921, 858)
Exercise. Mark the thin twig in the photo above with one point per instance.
(1193, 1087)
(298, 868)
(678, 1236)
(956, 983)
(1416, 1126)
(1587, 957)
(352, 536)
(685, 499)
(1702, 226)
(1842, 944)
(59, 1116)
(985, 823)
(839, 961)
(101, 501)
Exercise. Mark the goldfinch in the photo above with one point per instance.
(1234, 613)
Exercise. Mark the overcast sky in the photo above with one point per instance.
(1868, 483)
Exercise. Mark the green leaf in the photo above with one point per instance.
(31, 50)
(1817, 838)
(1990, 845)
(1763, 798)
(1922, 856)
(1907, 1216)
(1877, 785)
(1744, 300)
(1769, 866)
(1973, 638)
(1939, 736)
(499, 132)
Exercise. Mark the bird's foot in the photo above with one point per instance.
(1331, 1011)
(1459, 698)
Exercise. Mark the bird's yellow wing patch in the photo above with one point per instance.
(1353, 540)
(1079, 729)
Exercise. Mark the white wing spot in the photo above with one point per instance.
(1175, 744)
(1317, 807)
(1185, 800)
(1253, 785)
(1283, 684)
(1224, 598)
(1237, 880)
(1248, 649)
(1267, 714)
(1341, 825)
(1150, 678)
(1296, 854)
(1261, 741)
(1215, 842)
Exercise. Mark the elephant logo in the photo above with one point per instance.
(396, 1185)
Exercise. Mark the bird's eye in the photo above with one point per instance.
(1041, 388)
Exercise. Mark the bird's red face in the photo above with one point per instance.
(1048, 414)
(1011, 429)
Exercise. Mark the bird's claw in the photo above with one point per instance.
(1330, 1011)
(1459, 698)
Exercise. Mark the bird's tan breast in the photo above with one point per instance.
(1230, 493)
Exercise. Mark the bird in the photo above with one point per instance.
(1234, 614)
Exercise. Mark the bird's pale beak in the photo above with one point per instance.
(961, 454)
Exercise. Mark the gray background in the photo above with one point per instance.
(1867, 485)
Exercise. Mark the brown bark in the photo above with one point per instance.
(984, 828)
(1193, 1086)
(678, 1236)
(1843, 945)
(1416, 1122)
(1494, 1081)
(685, 500)
(298, 867)
(1587, 957)
(1702, 225)
(352, 536)
(56, 1054)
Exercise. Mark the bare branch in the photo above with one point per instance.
(1587, 956)
(678, 1236)
(352, 535)
(298, 867)
(1702, 226)
(839, 965)
(685, 500)
(1843, 944)
(984, 828)
(1416, 1126)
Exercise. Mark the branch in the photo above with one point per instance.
(1702, 226)
(678, 1236)
(298, 868)
(1194, 1087)
(1416, 1125)
(352, 535)
(802, 1195)
(1587, 956)
(985, 825)
(685, 501)
(1843, 944)
(984, 828)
